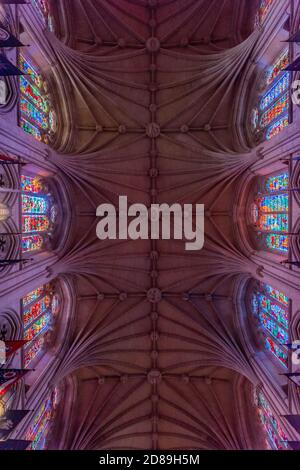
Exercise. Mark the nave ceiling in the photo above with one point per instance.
(152, 99)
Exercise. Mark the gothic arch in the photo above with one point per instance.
(262, 211)
(272, 32)
(266, 368)
(59, 333)
(182, 421)
(60, 200)
(58, 84)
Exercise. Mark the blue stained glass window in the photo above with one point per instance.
(273, 107)
(277, 183)
(278, 243)
(39, 308)
(270, 307)
(37, 211)
(275, 435)
(270, 213)
(43, 9)
(273, 309)
(36, 116)
(273, 327)
(280, 87)
(277, 127)
(39, 429)
(264, 8)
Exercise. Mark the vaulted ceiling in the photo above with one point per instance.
(152, 110)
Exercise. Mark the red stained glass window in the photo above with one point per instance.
(39, 307)
(274, 105)
(275, 436)
(36, 115)
(37, 211)
(270, 307)
(272, 213)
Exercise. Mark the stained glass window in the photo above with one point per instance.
(35, 223)
(273, 347)
(278, 182)
(34, 204)
(278, 89)
(278, 203)
(270, 307)
(34, 94)
(273, 108)
(276, 294)
(32, 296)
(32, 184)
(273, 222)
(36, 115)
(39, 429)
(277, 127)
(273, 328)
(38, 216)
(264, 8)
(39, 307)
(33, 351)
(273, 310)
(281, 63)
(36, 310)
(42, 7)
(277, 242)
(30, 112)
(270, 212)
(37, 327)
(32, 243)
(276, 438)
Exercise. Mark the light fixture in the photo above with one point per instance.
(4, 212)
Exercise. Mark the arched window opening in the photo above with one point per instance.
(270, 213)
(39, 214)
(275, 436)
(40, 309)
(271, 115)
(271, 310)
(36, 114)
(39, 430)
(43, 10)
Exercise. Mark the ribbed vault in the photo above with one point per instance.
(156, 355)
(196, 412)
